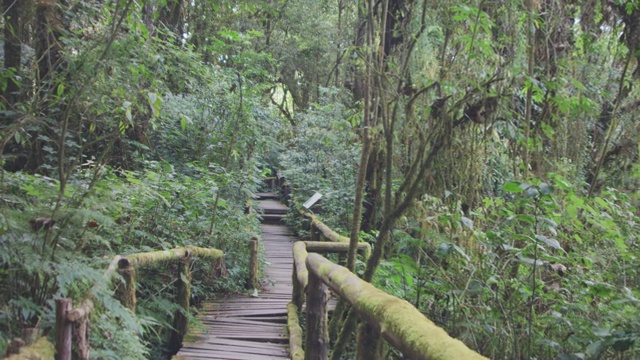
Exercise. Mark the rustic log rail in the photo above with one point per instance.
(68, 318)
(317, 228)
(397, 321)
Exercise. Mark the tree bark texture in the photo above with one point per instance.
(48, 47)
(12, 46)
(368, 344)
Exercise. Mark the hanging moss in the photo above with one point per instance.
(398, 322)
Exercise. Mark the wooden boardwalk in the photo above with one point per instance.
(248, 328)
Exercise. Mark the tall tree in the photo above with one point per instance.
(12, 47)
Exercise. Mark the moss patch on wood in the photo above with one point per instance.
(295, 332)
(399, 322)
(42, 349)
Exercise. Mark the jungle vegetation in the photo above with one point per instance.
(487, 149)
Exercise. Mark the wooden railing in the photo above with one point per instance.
(396, 320)
(68, 318)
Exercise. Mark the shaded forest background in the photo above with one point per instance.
(487, 149)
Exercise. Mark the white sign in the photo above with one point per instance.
(312, 200)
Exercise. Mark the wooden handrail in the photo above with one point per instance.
(67, 318)
(325, 230)
(154, 257)
(399, 322)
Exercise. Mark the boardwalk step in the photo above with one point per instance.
(247, 328)
(267, 196)
(272, 219)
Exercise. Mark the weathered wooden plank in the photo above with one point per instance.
(246, 328)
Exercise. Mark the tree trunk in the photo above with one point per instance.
(12, 47)
(48, 47)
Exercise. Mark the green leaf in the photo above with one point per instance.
(550, 242)
(513, 186)
(184, 278)
(526, 218)
(183, 123)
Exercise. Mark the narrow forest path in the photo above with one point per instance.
(248, 328)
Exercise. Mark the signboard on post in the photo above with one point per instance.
(312, 200)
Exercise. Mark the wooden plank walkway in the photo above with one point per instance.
(246, 328)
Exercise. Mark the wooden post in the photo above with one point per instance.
(253, 263)
(368, 343)
(295, 332)
(127, 293)
(297, 293)
(184, 295)
(313, 231)
(63, 330)
(317, 337)
(82, 334)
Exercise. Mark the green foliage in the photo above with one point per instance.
(542, 271)
(323, 158)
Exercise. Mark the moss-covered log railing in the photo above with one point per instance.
(317, 228)
(397, 321)
(300, 278)
(68, 318)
